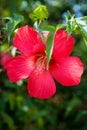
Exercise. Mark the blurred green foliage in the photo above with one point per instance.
(67, 109)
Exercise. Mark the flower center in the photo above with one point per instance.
(40, 64)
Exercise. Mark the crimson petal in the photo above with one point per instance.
(20, 67)
(63, 44)
(68, 72)
(28, 41)
(41, 85)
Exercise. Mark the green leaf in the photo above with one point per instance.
(8, 120)
(13, 23)
(85, 40)
(4, 47)
(70, 25)
(59, 26)
(80, 115)
(40, 13)
(82, 18)
(70, 106)
(82, 25)
(83, 28)
(50, 42)
(11, 99)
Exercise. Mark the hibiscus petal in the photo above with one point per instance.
(68, 72)
(41, 85)
(28, 41)
(63, 44)
(20, 67)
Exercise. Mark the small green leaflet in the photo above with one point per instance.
(13, 22)
(40, 13)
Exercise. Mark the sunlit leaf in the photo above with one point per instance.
(83, 29)
(40, 13)
(82, 25)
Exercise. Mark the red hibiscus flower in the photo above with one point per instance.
(67, 70)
